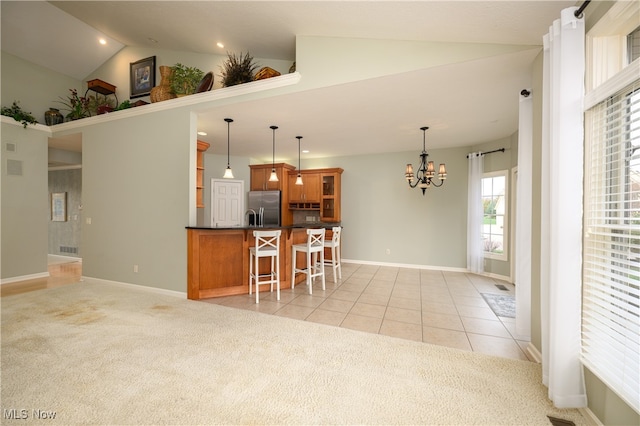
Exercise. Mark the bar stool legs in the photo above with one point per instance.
(267, 245)
(313, 248)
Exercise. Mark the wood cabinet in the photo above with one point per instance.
(330, 203)
(309, 191)
(320, 191)
(260, 174)
(218, 260)
(202, 147)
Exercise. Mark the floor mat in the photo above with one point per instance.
(503, 305)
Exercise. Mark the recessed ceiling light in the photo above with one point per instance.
(305, 151)
(220, 45)
(202, 133)
(102, 41)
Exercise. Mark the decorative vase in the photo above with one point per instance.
(53, 116)
(162, 92)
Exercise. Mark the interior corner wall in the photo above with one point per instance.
(25, 203)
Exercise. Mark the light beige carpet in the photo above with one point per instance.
(102, 354)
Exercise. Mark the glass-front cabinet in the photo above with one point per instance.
(330, 203)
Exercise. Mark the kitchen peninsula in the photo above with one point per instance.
(218, 258)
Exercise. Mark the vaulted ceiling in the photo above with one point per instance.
(464, 104)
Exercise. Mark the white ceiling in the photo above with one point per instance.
(463, 104)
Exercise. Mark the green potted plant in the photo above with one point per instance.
(78, 106)
(124, 105)
(185, 80)
(237, 69)
(18, 114)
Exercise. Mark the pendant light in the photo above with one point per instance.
(299, 178)
(228, 174)
(274, 175)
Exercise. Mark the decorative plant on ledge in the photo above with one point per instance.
(78, 106)
(237, 69)
(18, 114)
(185, 80)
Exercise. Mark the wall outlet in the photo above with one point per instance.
(135, 268)
(388, 251)
(88, 221)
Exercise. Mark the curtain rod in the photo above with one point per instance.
(490, 152)
(578, 13)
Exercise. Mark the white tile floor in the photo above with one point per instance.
(437, 307)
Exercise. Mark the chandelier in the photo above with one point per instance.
(426, 172)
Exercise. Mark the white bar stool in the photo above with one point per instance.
(334, 245)
(313, 247)
(267, 245)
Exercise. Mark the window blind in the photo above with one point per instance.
(611, 257)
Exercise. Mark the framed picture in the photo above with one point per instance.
(142, 75)
(59, 206)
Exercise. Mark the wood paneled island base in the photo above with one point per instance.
(218, 259)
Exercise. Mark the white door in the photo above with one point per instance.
(227, 203)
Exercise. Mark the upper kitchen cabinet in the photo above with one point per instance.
(320, 191)
(260, 174)
(330, 204)
(309, 191)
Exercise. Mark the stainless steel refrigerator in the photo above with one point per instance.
(266, 205)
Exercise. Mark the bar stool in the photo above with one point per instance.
(267, 245)
(334, 245)
(313, 247)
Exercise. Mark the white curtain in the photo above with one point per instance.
(475, 247)
(561, 203)
(523, 218)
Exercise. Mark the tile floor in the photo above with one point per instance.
(437, 307)
(441, 308)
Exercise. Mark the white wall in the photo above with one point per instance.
(25, 201)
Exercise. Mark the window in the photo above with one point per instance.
(494, 224)
(611, 266)
(611, 247)
(633, 45)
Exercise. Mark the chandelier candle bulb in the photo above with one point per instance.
(442, 172)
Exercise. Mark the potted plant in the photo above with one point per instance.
(100, 104)
(237, 69)
(18, 114)
(78, 106)
(124, 105)
(185, 80)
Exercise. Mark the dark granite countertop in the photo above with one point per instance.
(326, 225)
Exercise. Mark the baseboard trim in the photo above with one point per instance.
(534, 353)
(406, 265)
(591, 418)
(64, 258)
(429, 267)
(24, 278)
(178, 294)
